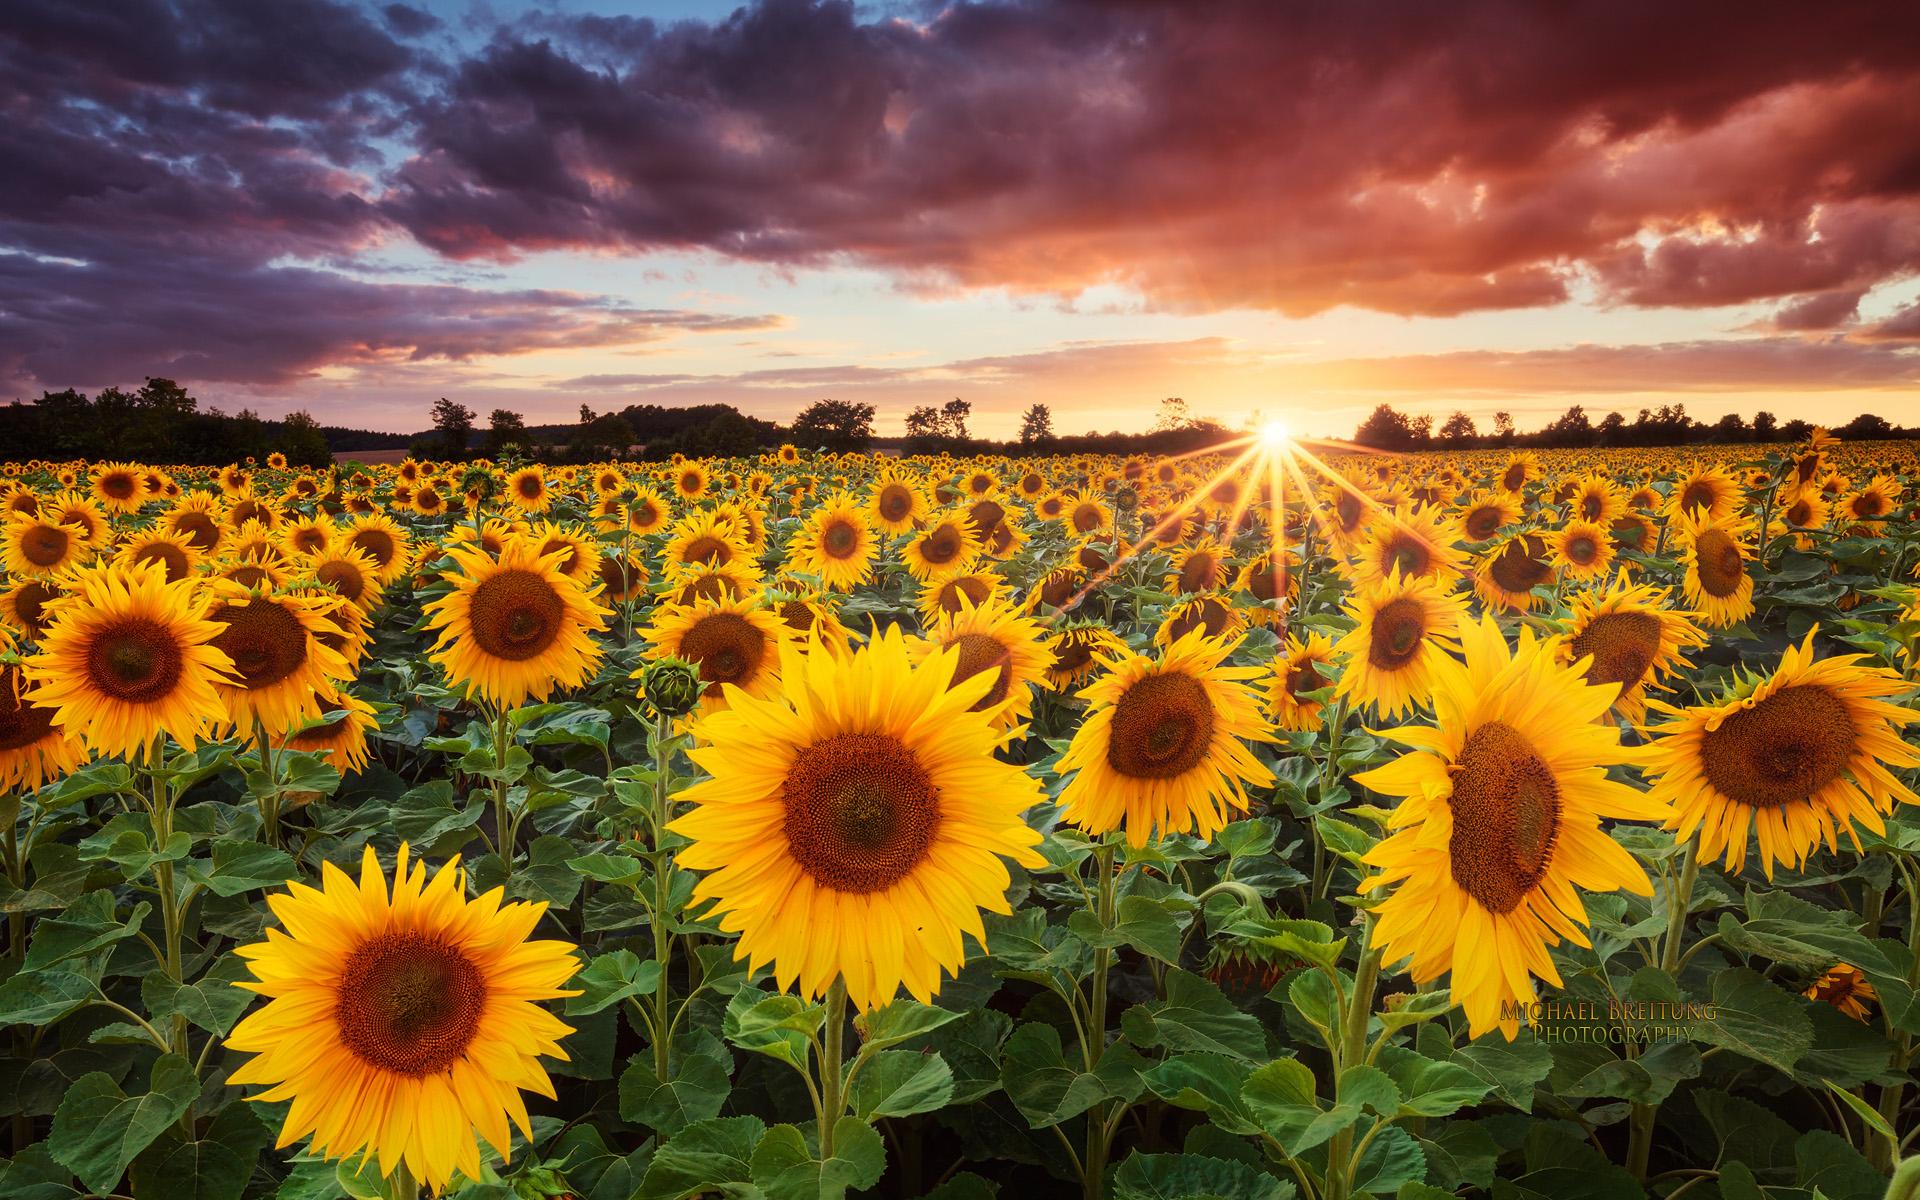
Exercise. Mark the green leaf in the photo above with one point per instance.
(971, 1047)
(1047, 1090)
(1280, 1096)
(1754, 1018)
(696, 1091)
(546, 875)
(99, 1130)
(33, 1175)
(786, 1165)
(43, 997)
(216, 1167)
(899, 1083)
(1868, 1114)
(1429, 1088)
(1139, 922)
(1392, 1160)
(1193, 1177)
(900, 1020)
(213, 1003)
(1195, 1016)
(611, 978)
(702, 1158)
(241, 867)
(86, 927)
(1828, 1166)
(1208, 1083)
(1512, 1068)
(610, 868)
(774, 1025)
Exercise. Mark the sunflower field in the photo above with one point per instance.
(1274, 823)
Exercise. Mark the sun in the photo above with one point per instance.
(1274, 435)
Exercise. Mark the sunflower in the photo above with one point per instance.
(895, 503)
(1506, 573)
(622, 577)
(703, 538)
(402, 1024)
(343, 740)
(944, 597)
(1078, 649)
(514, 626)
(33, 750)
(834, 544)
(1306, 667)
(1402, 631)
(994, 639)
(1632, 531)
(350, 574)
(36, 547)
(430, 498)
(1162, 747)
(648, 511)
(1211, 616)
(120, 487)
(579, 554)
(1417, 542)
(1499, 823)
(28, 605)
(170, 550)
(1487, 513)
(281, 668)
(1582, 549)
(80, 514)
(733, 642)
(527, 490)
(945, 548)
(1707, 488)
(381, 539)
(130, 656)
(1718, 584)
(691, 481)
(691, 585)
(1201, 567)
(1271, 579)
(809, 618)
(1628, 636)
(1522, 467)
(1845, 988)
(1086, 515)
(307, 536)
(1798, 758)
(1805, 512)
(855, 821)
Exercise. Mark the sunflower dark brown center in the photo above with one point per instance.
(971, 588)
(896, 502)
(309, 539)
(707, 549)
(265, 641)
(376, 544)
(1582, 550)
(840, 539)
(530, 487)
(21, 723)
(516, 615)
(45, 545)
(119, 485)
(1517, 571)
(979, 653)
(1721, 567)
(1072, 655)
(1515, 476)
(1086, 518)
(409, 1004)
(1482, 523)
(170, 556)
(1506, 814)
(1591, 505)
(1782, 750)
(30, 605)
(1200, 573)
(1056, 589)
(1397, 631)
(861, 811)
(343, 577)
(1162, 727)
(1304, 677)
(136, 660)
(796, 615)
(1629, 533)
(1801, 512)
(942, 545)
(1267, 581)
(1623, 645)
(1406, 552)
(727, 647)
(1697, 495)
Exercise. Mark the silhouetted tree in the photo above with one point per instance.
(1865, 427)
(837, 425)
(953, 415)
(1458, 430)
(1611, 431)
(453, 423)
(1036, 426)
(505, 428)
(1730, 428)
(1385, 429)
(302, 442)
(1503, 428)
(1174, 416)
(1765, 427)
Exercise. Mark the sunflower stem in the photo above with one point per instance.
(270, 797)
(832, 1099)
(503, 830)
(662, 896)
(170, 914)
(1099, 1133)
(401, 1185)
(1679, 903)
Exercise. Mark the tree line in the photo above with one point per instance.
(1386, 428)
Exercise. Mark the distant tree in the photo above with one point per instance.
(1421, 427)
(1571, 428)
(953, 416)
(249, 436)
(1730, 428)
(1458, 430)
(1612, 430)
(1866, 427)
(302, 442)
(925, 422)
(1765, 426)
(1036, 426)
(599, 438)
(1503, 428)
(1174, 416)
(837, 425)
(1796, 430)
(505, 428)
(453, 423)
(1385, 429)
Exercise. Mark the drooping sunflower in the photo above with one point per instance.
(1162, 748)
(35, 546)
(1078, 649)
(1582, 549)
(998, 640)
(343, 740)
(1718, 585)
(855, 821)
(733, 642)
(514, 626)
(1402, 632)
(946, 547)
(1416, 541)
(1846, 988)
(1306, 667)
(1499, 823)
(834, 544)
(402, 1023)
(1629, 637)
(129, 656)
(1797, 759)
(622, 577)
(281, 668)
(33, 750)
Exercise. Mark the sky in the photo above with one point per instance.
(1271, 208)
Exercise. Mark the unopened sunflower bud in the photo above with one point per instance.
(671, 685)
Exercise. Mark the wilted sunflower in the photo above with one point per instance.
(343, 740)
(1162, 747)
(36, 546)
(732, 642)
(855, 821)
(1631, 638)
(1718, 585)
(1499, 823)
(514, 626)
(1402, 631)
(1306, 667)
(1078, 649)
(281, 668)
(402, 1024)
(945, 548)
(834, 545)
(130, 656)
(1846, 988)
(999, 641)
(33, 750)
(1797, 758)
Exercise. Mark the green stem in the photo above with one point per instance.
(1094, 1162)
(503, 830)
(662, 898)
(269, 799)
(1350, 1050)
(171, 915)
(1641, 1117)
(833, 1101)
(401, 1185)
